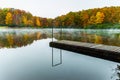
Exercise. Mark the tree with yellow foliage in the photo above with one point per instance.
(24, 20)
(92, 20)
(99, 17)
(38, 21)
(30, 23)
(9, 18)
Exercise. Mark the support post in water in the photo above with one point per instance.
(53, 65)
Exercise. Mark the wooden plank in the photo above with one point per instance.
(111, 53)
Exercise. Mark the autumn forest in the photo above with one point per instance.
(107, 17)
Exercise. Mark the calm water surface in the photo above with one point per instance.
(34, 62)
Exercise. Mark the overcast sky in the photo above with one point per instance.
(53, 8)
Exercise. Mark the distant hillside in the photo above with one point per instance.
(107, 17)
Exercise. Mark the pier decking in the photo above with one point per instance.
(111, 53)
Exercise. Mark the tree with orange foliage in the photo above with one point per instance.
(84, 18)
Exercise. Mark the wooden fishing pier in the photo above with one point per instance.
(106, 52)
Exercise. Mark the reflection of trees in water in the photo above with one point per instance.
(113, 39)
(14, 40)
(116, 74)
(118, 67)
(117, 71)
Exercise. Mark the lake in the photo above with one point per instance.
(25, 55)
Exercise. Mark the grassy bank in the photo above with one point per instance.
(104, 26)
(95, 26)
(2, 27)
